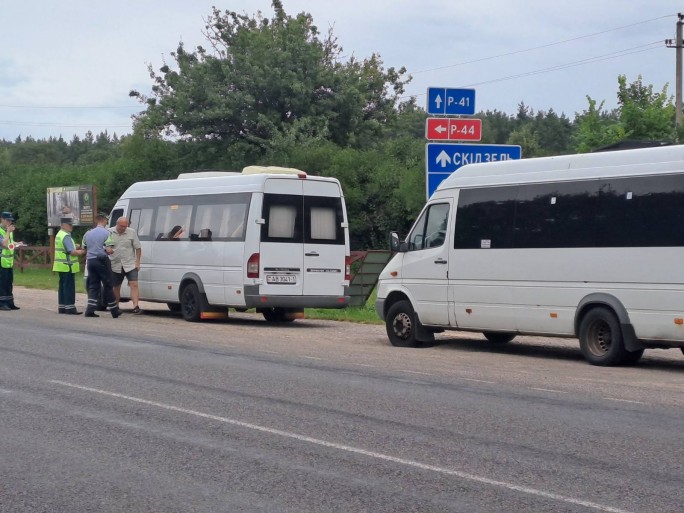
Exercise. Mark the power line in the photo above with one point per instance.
(540, 46)
(69, 106)
(62, 125)
(590, 60)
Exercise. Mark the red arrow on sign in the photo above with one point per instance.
(437, 129)
(452, 129)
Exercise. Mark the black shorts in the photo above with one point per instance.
(131, 275)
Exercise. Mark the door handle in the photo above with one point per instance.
(440, 261)
(312, 253)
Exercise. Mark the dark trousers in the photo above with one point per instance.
(66, 294)
(6, 285)
(100, 275)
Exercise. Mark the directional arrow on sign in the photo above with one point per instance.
(443, 158)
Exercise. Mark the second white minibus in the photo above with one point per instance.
(274, 239)
(588, 246)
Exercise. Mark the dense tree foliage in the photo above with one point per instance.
(273, 91)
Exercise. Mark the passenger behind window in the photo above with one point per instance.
(176, 232)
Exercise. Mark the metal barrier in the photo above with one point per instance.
(32, 257)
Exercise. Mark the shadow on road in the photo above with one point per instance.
(558, 349)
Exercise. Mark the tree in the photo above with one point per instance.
(641, 114)
(265, 79)
(645, 114)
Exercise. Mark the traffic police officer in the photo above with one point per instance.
(97, 242)
(66, 266)
(7, 246)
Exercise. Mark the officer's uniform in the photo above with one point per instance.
(66, 265)
(99, 271)
(7, 266)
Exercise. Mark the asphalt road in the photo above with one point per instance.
(149, 413)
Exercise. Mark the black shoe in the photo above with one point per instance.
(14, 307)
(136, 310)
(72, 312)
(91, 314)
(5, 307)
(116, 313)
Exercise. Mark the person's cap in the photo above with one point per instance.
(7, 215)
(67, 220)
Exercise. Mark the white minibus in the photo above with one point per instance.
(270, 238)
(588, 246)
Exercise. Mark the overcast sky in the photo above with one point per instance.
(67, 67)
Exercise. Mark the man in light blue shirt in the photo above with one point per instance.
(98, 244)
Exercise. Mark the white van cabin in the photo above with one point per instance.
(588, 246)
(270, 238)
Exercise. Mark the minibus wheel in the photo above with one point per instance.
(600, 338)
(191, 303)
(496, 337)
(402, 324)
(277, 315)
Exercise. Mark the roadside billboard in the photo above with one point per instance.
(75, 201)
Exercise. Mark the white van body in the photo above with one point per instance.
(588, 246)
(271, 238)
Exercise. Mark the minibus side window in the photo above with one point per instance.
(430, 230)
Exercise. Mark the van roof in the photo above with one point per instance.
(568, 167)
(211, 185)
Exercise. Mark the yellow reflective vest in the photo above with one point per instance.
(7, 254)
(64, 262)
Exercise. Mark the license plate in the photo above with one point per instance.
(281, 278)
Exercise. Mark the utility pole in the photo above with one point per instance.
(678, 44)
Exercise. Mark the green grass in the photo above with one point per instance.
(46, 279)
(43, 279)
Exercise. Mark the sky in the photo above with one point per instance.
(67, 67)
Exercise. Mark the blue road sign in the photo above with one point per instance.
(451, 102)
(442, 159)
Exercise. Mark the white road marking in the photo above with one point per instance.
(623, 400)
(549, 390)
(312, 357)
(478, 380)
(355, 450)
(266, 351)
(363, 365)
(416, 372)
(4, 391)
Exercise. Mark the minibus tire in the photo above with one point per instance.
(191, 303)
(276, 315)
(496, 337)
(600, 338)
(401, 323)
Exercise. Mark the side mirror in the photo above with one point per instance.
(397, 245)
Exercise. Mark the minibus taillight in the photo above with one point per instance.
(253, 266)
(347, 268)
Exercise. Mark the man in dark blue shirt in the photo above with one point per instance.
(99, 246)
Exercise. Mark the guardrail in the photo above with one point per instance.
(32, 257)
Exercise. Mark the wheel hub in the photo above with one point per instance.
(402, 326)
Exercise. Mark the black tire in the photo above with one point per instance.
(191, 303)
(600, 338)
(401, 323)
(496, 337)
(277, 315)
(174, 307)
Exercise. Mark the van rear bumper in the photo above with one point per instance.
(255, 300)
